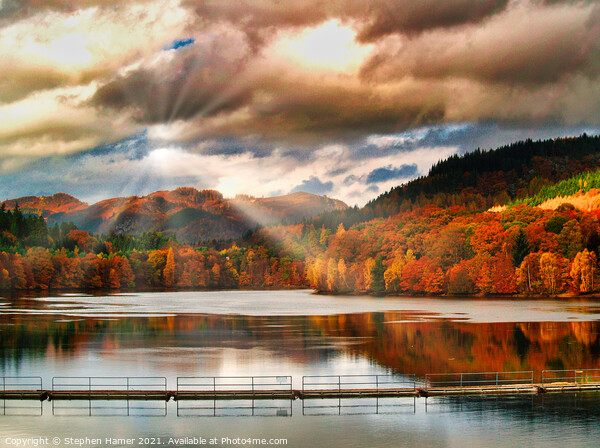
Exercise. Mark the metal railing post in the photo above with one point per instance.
(377, 382)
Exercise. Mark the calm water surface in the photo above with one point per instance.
(296, 333)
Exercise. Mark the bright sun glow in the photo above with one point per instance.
(70, 50)
(329, 46)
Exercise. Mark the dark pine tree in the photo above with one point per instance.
(377, 272)
(521, 249)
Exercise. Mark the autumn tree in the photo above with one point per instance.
(551, 272)
(368, 274)
(503, 275)
(460, 279)
(92, 272)
(488, 237)
(82, 239)
(342, 272)
(583, 270)
(41, 266)
(393, 274)
(120, 272)
(332, 275)
(169, 270)
(528, 274)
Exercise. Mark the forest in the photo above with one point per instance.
(436, 235)
(34, 257)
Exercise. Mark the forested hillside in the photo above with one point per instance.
(191, 215)
(481, 179)
(434, 235)
(436, 240)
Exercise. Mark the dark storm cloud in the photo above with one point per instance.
(198, 79)
(390, 173)
(375, 18)
(313, 185)
(506, 66)
(261, 18)
(528, 46)
(409, 16)
(495, 70)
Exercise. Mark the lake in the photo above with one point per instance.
(296, 333)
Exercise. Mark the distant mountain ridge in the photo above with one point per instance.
(192, 215)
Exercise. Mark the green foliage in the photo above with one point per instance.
(28, 230)
(183, 217)
(122, 242)
(378, 272)
(555, 224)
(521, 248)
(151, 241)
(581, 182)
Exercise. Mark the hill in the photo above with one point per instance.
(289, 208)
(581, 191)
(482, 179)
(47, 205)
(190, 214)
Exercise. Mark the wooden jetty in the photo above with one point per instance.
(313, 387)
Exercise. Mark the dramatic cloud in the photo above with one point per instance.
(388, 173)
(343, 94)
(314, 185)
(393, 16)
(525, 45)
(202, 78)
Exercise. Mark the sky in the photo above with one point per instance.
(347, 98)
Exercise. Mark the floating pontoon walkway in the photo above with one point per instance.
(313, 387)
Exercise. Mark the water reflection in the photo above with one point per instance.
(217, 344)
(59, 338)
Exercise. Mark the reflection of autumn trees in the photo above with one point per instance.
(444, 346)
(391, 339)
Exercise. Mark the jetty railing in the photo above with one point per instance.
(466, 379)
(571, 376)
(234, 383)
(357, 382)
(119, 383)
(22, 383)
